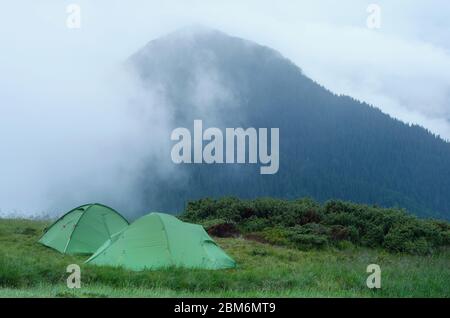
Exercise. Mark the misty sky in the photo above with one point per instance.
(54, 114)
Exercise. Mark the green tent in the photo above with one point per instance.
(159, 240)
(84, 229)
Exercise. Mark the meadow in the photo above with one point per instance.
(28, 269)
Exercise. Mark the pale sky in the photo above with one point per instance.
(402, 68)
(50, 75)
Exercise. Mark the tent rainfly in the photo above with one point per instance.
(159, 240)
(84, 229)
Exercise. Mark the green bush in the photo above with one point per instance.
(255, 224)
(374, 236)
(414, 237)
(275, 236)
(305, 223)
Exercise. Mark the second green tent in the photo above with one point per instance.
(160, 240)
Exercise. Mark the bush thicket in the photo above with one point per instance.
(307, 224)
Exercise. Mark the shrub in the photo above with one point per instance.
(307, 224)
(309, 236)
(255, 224)
(374, 236)
(412, 237)
(276, 236)
(224, 230)
(339, 233)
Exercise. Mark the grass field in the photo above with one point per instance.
(28, 269)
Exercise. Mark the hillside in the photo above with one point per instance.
(28, 269)
(331, 147)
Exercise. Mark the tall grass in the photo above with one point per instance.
(29, 269)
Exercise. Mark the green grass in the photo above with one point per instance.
(28, 269)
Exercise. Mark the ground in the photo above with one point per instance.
(28, 269)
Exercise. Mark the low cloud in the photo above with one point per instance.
(63, 146)
(73, 122)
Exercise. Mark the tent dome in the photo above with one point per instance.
(84, 229)
(159, 240)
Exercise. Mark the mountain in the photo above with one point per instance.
(331, 146)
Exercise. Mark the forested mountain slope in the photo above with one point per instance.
(330, 146)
